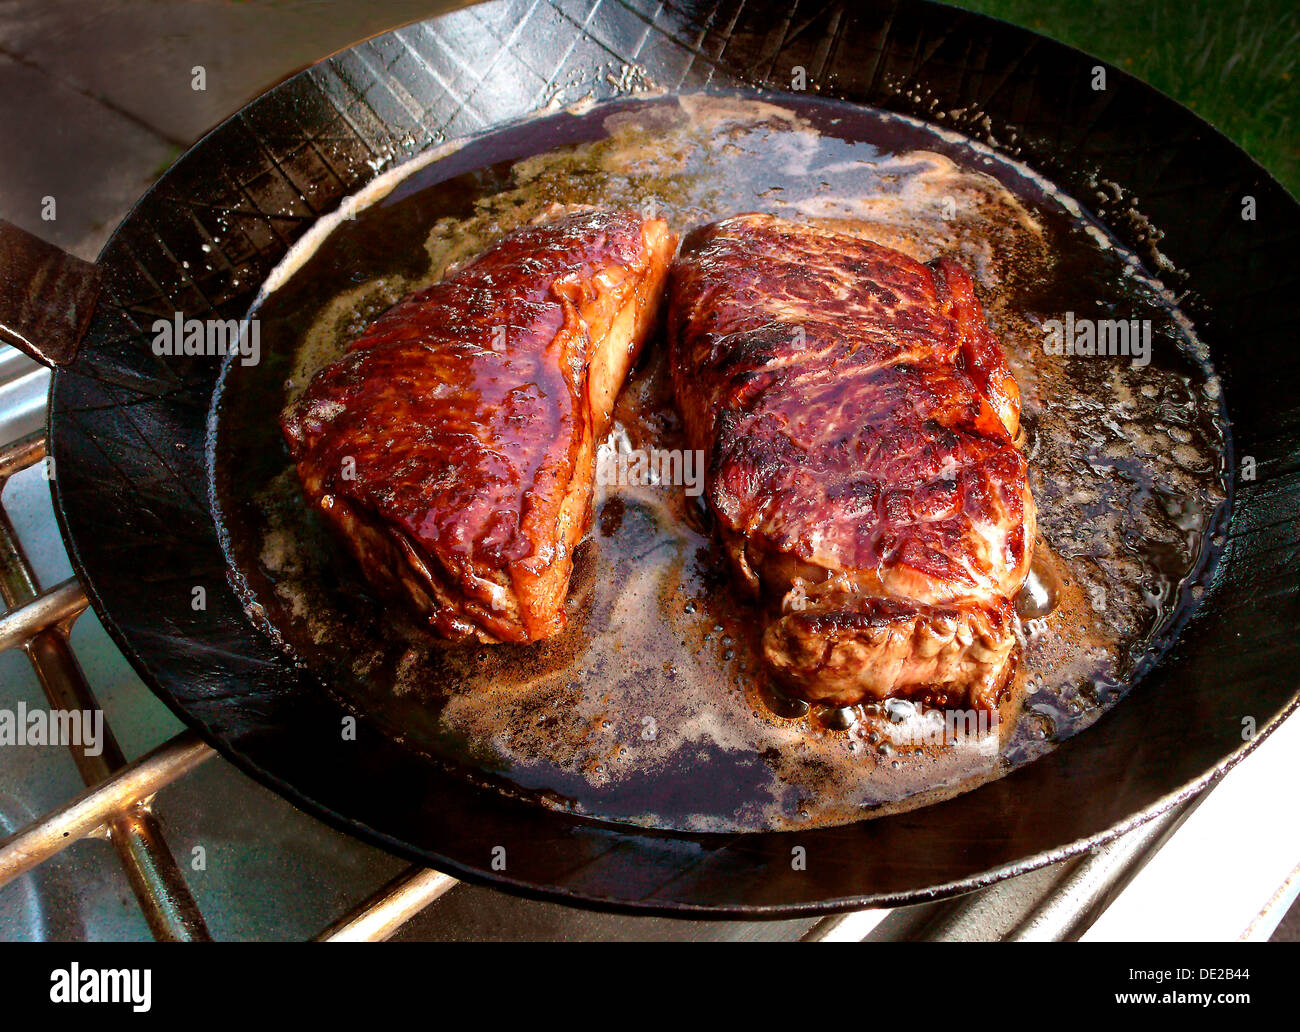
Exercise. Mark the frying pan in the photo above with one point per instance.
(127, 430)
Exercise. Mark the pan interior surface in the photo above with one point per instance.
(653, 707)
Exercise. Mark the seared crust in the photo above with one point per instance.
(453, 446)
(956, 655)
(858, 419)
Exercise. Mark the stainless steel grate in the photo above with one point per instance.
(116, 803)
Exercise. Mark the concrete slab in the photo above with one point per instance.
(99, 98)
(58, 143)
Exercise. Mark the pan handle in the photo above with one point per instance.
(47, 297)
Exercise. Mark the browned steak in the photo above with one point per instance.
(453, 446)
(858, 420)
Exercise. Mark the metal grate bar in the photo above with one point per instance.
(852, 926)
(24, 452)
(1096, 878)
(155, 878)
(57, 607)
(378, 917)
(1056, 903)
(91, 811)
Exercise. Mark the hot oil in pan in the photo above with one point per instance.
(652, 707)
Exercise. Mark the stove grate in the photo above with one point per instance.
(116, 803)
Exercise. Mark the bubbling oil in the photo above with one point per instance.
(652, 708)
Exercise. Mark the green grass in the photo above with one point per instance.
(1233, 63)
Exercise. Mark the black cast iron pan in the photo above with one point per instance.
(127, 433)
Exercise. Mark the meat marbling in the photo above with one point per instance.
(858, 421)
(453, 446)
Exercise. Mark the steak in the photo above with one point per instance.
(858, 421)
(453, 446)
